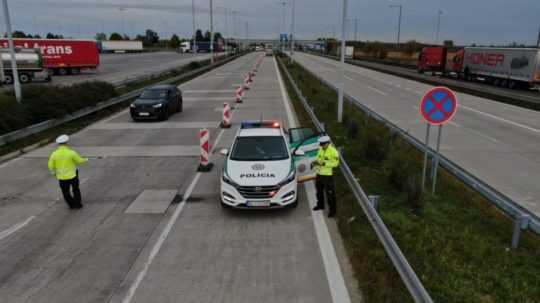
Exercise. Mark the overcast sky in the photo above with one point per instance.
(464, 21)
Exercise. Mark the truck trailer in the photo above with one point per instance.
(62, 56)
(504, 67)
(29, 65)
(120, 46)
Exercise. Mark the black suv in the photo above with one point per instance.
(157, 102)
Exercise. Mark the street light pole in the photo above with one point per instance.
(194, 27)
(226, 31)
(439, 13)
(341, 85)
(292, 30)
(538, 40)
(121, 9)
(283, 28)
(212, 31)
(355, 29)
(15, 73)
(399, 21)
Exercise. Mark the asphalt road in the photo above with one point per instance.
(152, 229)
(116, 68)
(498, 143)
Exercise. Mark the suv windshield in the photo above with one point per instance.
(259, 149)
(154, 94)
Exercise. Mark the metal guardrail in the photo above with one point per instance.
(408, 276)
(523, 218)
(42, 126)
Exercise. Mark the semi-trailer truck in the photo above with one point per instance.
(120, 46)
(62, 56)
(504, 67)
(29, 65)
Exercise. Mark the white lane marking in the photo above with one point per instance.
(165, 233)
(6, 233)
(8, 162)
(204, 91)
(483, 135)
(416, 107)
(336, 282)
(454, 124)
(501, 119)
(349, 78)
(376, 90)
(194, 99)
(419, 92)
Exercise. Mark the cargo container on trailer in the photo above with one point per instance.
(62, 56)
(504, 67)
(120, 46)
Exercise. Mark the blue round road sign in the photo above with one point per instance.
(439, 105)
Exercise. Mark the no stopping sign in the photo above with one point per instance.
(439, 105)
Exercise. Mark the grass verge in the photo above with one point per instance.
(456, 241)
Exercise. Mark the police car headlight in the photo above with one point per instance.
(228, 180)
(290, 177)
(158, 105)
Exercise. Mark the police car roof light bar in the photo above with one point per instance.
(259, 124)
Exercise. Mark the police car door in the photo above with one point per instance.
(304, 139)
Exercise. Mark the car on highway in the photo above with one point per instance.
(157, 102)
(269, 50)
(260, 170)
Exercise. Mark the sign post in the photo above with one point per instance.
(438, 107)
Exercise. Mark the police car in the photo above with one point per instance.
(260, 170)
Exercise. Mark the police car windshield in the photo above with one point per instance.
(259, 149)
(154, 94)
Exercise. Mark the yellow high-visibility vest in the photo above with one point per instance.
(328, 160)
(63, 163)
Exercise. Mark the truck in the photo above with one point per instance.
(29, 65)
(185, 47)
(62, 56)
(504, 67)
(203, 47)
(120, 46)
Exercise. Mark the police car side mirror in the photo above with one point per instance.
(224, 152)
(299, 152)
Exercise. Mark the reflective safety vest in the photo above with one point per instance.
(63, 163)
(328, 160)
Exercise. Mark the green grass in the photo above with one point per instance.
(457, 243)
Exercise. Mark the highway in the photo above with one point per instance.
(498, 143)
(116, 68)
(152, 228)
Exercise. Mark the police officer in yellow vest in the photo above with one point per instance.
(327, 159)
(63, 164)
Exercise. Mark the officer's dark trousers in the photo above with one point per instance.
(71, 192)
(325, 184)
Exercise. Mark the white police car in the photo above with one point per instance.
(260, 170)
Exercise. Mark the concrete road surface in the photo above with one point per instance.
(498, 143)
(152, 229)
(116, 68)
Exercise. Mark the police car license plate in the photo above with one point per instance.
(144, 114)
(258, 203)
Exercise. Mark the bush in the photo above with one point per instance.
(41, 103)
(194, 65)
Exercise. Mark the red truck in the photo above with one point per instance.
(504, 67)
(62, 56)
